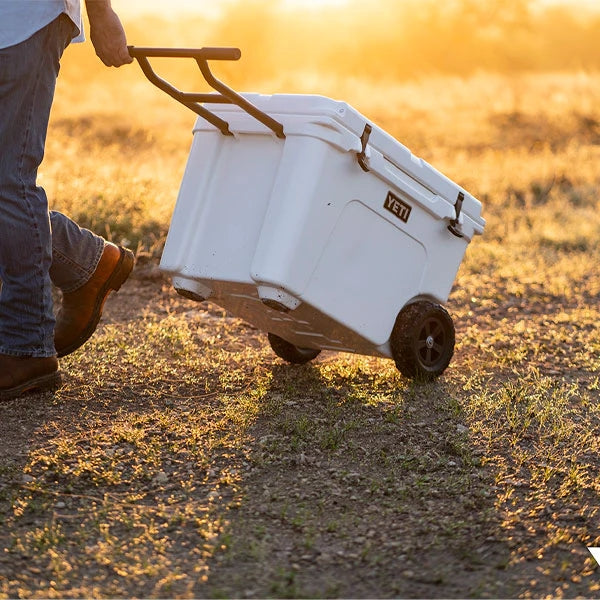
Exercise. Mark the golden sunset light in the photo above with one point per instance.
(175, 7)
(355, 349)
(382, 39)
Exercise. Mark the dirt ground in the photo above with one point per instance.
(183, 459)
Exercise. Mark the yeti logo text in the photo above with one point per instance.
(397, 207)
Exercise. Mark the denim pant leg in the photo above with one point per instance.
(75, 253)
(28, 73)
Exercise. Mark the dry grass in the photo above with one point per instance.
(181, 458)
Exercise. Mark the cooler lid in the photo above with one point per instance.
(317, 109)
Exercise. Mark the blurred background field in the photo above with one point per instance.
(502, 96)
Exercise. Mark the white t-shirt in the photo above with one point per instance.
(20, 19)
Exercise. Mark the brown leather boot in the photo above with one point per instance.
(19, 375)
(81, 309)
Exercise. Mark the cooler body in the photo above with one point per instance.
(321, 237)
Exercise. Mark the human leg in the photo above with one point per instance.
(28, 73)
(86, 268)
(81, 309)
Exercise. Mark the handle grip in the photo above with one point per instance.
(201, 53)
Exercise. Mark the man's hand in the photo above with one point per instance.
(107, 34)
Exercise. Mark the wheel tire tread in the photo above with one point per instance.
(291, 353)
(403, 340)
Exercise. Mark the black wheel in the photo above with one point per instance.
(422, 340)
(289, 352)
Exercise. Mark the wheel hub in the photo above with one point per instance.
(429, 342)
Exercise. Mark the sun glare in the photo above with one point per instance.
(314, 4)
(389, 39)
(174, 7)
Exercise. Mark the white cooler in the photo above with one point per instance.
(332, 236)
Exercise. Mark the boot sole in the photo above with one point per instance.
(117, 278)
(39, 384)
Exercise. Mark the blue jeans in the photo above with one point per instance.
(37, 247)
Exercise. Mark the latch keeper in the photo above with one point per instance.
(454, 227)
(362, 155)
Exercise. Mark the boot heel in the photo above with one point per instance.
(123, 270)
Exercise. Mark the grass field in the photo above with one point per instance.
(181, 458)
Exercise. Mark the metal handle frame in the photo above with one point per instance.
(193, 101)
